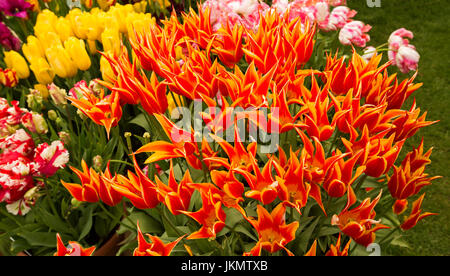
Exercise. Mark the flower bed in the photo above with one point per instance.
(227, 128)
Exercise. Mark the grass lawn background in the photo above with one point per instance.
(429, 21)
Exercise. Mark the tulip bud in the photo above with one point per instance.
(75, 203)
(34, 100)
(35, 123)
(52, 115)
(16, 62)
(97, 162)
(61, 62)
(64, 137)
(77, 51)
(400, 206)
(42, 71)
(43, 91)
(58, 95)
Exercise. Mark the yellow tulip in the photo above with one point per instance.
(77, 51)
(75, 17)
(47, 17)
(32, 49)
(111, 41)
(105, 4)
(120, 13)
(139, 23)
(61, 62)
(92, 46)
(93, 28)
(42, 71)
(48, 39)
(64, 28)
(16, 62)
(42, 90)
(106, 70)
(140, 6)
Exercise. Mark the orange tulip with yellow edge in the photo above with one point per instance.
(357, 222)
(156, 248)
(273, 232)
(211, 216)
(74, 248)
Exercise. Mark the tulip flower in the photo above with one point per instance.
(17, 8)
(357, 222)
(77, 51)
(210, 216)
(103, 109)
(263, 186)
(16, 62)
(35, 123)
(138, 188)
(416, 214)
(42, 71)
(8, 78)
(176, 196)
(94, 186)
(354, 32)
(273, 232)
(408, 179)
(293, 189)
(61, 62)
(111, 41)
(58, 95)
(335, 250)
(7, 39)
(64, 29)
(33, 49)
(155, 248)
(227, 189)
(407, 58)
(74, 248)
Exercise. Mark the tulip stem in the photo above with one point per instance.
(389, 234)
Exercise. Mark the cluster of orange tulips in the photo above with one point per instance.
(342, 129)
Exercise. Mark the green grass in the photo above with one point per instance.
(429, 21)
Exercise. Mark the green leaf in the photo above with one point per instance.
(47, 239)
(140, 121)
(86, 222)
(305, 236)
(241, 229)
(326, 231)
(55, 223)
(147, 223)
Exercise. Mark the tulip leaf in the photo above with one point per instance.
(241, 229)
(140, 121)
(147, 223)
(47, 239)
(304, 236)
(55, 223)
(86, 222)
